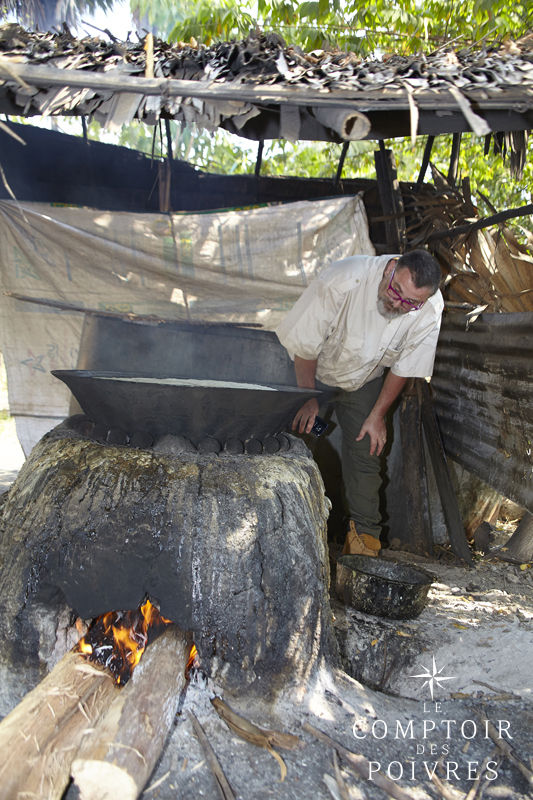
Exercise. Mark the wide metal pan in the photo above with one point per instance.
(192, 411)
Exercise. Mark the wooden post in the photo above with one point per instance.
(450, 508)
(118, 756)
(391, 199)
(454, 159)
(340, 167)
(425, 161)
(40, 737)
(414, 474)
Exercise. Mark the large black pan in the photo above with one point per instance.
(192, 411)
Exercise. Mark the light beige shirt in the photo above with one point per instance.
(336, 321)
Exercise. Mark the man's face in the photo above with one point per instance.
(390, 305)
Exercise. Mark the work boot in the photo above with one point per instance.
(360, 544)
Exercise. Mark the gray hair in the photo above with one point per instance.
(424, 268)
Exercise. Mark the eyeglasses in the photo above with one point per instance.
(397, 295)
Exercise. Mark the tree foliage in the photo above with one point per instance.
(363, 27)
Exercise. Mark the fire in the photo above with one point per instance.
(118, 639)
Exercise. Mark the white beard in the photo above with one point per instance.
(386, 311)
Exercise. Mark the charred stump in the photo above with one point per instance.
(232, 548)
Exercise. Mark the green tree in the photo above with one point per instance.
(384, 25)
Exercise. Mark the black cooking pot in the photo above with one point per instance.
(383, 588)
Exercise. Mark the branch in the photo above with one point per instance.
(484, 222)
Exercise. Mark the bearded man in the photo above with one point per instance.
(360, 316)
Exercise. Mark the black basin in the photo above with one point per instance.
(381, 587)
(192, 411)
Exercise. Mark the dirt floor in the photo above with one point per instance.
(477, 627)
(476, 632)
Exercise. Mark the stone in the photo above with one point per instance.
(174, 445)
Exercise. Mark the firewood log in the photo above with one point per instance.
(116, 759)
(43, 732)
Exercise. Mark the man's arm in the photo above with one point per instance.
(374, 424)
(305, 379)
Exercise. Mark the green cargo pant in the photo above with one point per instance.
(360, 470)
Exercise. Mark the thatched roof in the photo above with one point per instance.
(262, 88)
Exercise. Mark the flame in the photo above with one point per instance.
(118, 639)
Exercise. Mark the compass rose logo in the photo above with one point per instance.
(433, 678)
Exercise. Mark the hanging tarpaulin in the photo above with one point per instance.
(231, 265)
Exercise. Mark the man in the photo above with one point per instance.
(361, 315)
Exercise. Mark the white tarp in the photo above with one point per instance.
(242, 266)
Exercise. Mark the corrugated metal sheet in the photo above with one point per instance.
(483, 384)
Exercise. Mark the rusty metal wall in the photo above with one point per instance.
(483, 382)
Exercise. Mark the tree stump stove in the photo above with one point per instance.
(231, 548)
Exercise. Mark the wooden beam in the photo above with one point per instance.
(450, 507)
(414, 475)
(484, 222)
(454, 159)
(259, 158)
(425, 162)
(344, 152)
(391, 199)
(432, 100)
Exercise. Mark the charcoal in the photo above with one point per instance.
(284, 442)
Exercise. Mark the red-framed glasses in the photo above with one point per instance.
(397, 295)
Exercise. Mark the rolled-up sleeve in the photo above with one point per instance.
(306, 327)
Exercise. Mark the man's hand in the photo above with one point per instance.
(374, 425)
(305, 418)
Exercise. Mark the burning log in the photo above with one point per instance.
(118, 756)
(43, 732)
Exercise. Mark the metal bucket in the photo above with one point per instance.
(381, 587)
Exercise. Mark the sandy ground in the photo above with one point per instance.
(478, 625)
(478, 628)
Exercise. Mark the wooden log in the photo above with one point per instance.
(116, 759)
(43, 732)
(450, 508)
(414, 476)
(391, 199)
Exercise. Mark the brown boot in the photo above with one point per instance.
(360, 544)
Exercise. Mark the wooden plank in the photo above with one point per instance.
(450, 507)
(454, 159)
(414, 476)
(425, 162)
(391, 199)
(392, 98)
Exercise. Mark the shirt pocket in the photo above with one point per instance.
(390, 354)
